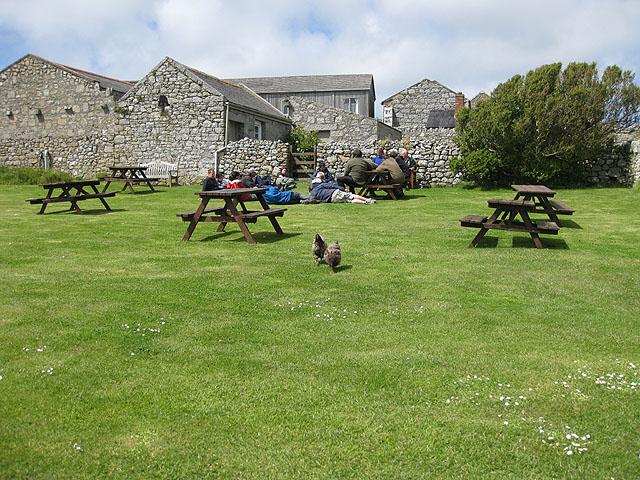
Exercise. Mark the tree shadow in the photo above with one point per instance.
(218, 235)
(550, 243)
(92, 211)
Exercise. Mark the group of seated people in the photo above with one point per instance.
(324, 187)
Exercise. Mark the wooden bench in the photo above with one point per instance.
(561, 208)
(505, 218)
(161, 170)
(380, 181)
(62, 191)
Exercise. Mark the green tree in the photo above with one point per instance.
(303, 140)
(545, 126)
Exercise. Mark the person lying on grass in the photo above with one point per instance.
(331, 192)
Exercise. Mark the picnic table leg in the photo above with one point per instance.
(238, 218)
(272, 219)
(196, 218)
(529, 224)
(391, 193)
(106, 186)
(483, 230)
(546, 205)
(104, 202)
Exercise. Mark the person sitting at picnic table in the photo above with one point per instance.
(391, 166)
(379, 156)
(331, 192)
(322, 167)
(234, 181)
(401, 162)
(283, 181)
(356, 171)
(410, 173)
(211, 182)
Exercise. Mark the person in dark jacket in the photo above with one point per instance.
(356, 173)
(331, 192)
(322, 167)
(210, 182)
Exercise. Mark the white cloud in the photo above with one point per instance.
(465, 44)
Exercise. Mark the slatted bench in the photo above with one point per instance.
(505, 218)
(62, 192)
(161, 170)
(561, 208)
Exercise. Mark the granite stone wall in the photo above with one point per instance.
(342, 126)
(43, 107)
(186, 132)
(263, 156)
(408, 109)
(621, 165)
(432, 158)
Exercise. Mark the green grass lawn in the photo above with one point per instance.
(214, 358)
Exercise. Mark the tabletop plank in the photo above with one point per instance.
(229, 192)
(72, 183)
(534, 190)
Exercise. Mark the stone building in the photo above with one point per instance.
(336, 125)
(353, 93)
(57, 116)
(421, 107)
(479, 98)
(181, 115)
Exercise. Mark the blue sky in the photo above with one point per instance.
(467, 45)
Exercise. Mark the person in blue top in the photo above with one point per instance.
(275, 196)
(379, 157)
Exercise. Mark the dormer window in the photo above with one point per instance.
(351, 105)
(163, 102)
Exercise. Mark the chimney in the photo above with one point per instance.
(459, 105)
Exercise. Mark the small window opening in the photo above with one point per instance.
(163, 102)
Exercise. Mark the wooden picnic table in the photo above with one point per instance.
(129, 174)
(541, 197)
(74, 191)
(229, 212)
(505, 217)
(379, 181)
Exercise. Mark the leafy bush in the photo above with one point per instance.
(31, 176)
(545, 127)
(303, 140)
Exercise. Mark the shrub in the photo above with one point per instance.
(303, 140)
(31, 176)
(545, 126)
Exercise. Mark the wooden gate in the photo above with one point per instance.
(302, 164)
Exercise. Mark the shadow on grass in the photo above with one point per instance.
(568, 224)
(487, 242)
(138, 192)
(261, 237)
(550, 243)
(93, 211)
(340, 268)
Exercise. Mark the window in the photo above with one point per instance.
(163, 103)
(324, 135)
(259, 130)
(287, 109)
(351, 105)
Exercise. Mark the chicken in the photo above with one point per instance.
(332, 255)
(317, 248)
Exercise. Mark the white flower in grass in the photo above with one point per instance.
(77, 447)
(506, 424)
(569, 452)
(1, 377)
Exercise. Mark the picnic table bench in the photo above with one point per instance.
(129, 175)
(505, 217)
(541, 195)
(379, 181)
(229, 212)
(73, 192)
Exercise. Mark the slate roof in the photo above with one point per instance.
(308, 83)
(121, 86)
(441, 119)
(239, 95)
